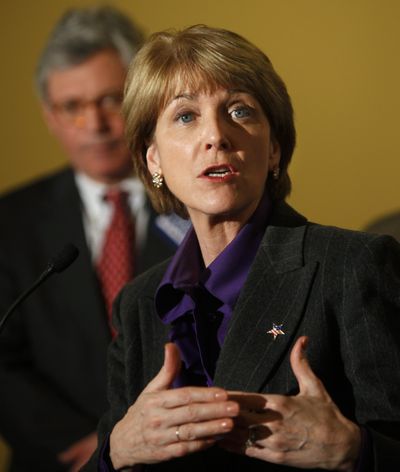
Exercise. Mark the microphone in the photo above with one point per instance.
(56, 264)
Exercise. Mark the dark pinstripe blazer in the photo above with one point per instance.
(341, 288)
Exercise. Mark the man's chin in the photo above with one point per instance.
(109, 174)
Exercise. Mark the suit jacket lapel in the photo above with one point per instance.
(63, 224)
(275, 292)
(156, 247)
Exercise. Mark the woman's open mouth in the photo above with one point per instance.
(219, 172)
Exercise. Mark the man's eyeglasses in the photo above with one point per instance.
(73, 112)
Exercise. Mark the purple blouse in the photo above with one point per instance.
(198, 301)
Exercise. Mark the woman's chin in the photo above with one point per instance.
(218, 211)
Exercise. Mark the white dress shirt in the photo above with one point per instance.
(97, 212)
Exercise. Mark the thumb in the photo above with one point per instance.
(309, 383)
(168, 372)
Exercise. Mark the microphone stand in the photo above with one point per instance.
(43, 276)
(57, 264)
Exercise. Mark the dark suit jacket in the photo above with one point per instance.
(341, 288)
(388, 224)
(53, 351)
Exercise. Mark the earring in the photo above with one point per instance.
(276, 172)
(157, 180)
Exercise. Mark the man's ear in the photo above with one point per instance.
(153, 159)
(49, 118)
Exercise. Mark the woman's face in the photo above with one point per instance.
(215, 151)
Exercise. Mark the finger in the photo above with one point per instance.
(209, 429)
(274, 456)
(183, 448)
(309, 383)
(188, 395)
(248, 401)
(168, 372)
(201, 412)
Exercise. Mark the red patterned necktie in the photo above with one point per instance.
(115, 266)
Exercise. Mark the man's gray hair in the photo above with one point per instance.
(82, 32)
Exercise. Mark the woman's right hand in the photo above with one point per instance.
(165, 423)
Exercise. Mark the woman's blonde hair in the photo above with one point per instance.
(204, 58)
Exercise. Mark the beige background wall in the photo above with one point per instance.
(339, 58)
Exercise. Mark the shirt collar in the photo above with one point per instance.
(223, 278)
(92, 193)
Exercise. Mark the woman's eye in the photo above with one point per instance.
(240, 112)
(185, 117)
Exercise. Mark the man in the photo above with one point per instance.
(53, 350)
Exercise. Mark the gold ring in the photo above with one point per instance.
(177, 433)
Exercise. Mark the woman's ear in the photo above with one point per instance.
(274, 154)
(153, 159)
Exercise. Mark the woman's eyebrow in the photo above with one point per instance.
(236, 90)
(187, 96)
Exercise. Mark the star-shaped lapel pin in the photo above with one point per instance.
(276, 330)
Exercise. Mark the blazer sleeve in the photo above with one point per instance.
(116, 368)
(136, 353)
(370, 342)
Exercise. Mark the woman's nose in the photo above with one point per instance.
(216, 135)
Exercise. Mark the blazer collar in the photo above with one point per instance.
(275, 292)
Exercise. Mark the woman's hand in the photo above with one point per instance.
(305, 431)
(166, 423)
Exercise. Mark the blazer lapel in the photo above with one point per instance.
(275, 293)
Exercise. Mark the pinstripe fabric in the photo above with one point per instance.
(340, 288)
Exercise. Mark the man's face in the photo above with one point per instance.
(83, 111)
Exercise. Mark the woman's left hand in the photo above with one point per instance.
(305, 431)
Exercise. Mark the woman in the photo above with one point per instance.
(210, 125)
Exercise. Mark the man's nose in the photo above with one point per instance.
(93, 119)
